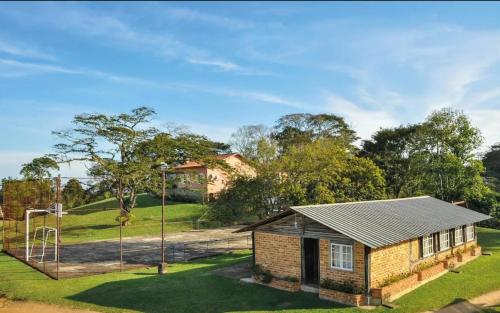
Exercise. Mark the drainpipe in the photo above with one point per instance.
(253, 248)
(367, 274)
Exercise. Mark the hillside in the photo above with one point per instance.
(96, 221)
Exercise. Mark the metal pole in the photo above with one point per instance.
(121, 223)
(58, 201)
(162, 267)
(163, 219)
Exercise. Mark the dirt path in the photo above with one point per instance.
(35, 307)
(477, 304)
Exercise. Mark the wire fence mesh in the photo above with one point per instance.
(91, 240)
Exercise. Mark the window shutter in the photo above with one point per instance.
(436, 242)
(452, 237)
(464, 233)
(420, 247)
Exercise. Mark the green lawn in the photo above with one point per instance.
(192, 287)
(96, 221)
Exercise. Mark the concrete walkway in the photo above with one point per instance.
(477, 304)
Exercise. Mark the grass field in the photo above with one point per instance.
(96, 221)
(192, 287)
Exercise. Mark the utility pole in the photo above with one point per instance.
(162, 267)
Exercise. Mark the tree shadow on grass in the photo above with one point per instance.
(196, 290)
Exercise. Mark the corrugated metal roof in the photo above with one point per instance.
(385, 222)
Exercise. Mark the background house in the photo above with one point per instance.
(361, 246)
(210, 181)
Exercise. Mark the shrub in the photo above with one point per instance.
(185, 195)
(472, 247)
(345, 286)
(267, 277)
(394, 278)
(291, 279)
(262, 274)
(424, 266)
(257, 270)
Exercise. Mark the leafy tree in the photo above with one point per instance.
(177, 148)
(247, 138)
(391, 149)
(73, 193)
(491, 161)
(324, 171)
(110, 143)
(444, 164)
(39, 168)
(435, 157)
(246, 197)
(297, 129)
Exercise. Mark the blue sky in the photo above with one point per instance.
(216, 66)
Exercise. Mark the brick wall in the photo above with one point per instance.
(402, 258)
(342, 297)
(441, 255)
(280, 254)
(388, 261)
(357, 276)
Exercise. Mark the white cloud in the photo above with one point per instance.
(488, 121)
(223, 65)
(21, 68)
(214, 19)
(365, 122)
(212, 131)
(22, 50)
(11, 162)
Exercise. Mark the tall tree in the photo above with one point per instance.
(177, 148)
(491, 161)
(444, 164)
(39, 168)
(247, 138)
(325, 172)
(110, 143)
(73, 193)
(391, 149)
(296, 129)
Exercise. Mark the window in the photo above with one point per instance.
(427, 245)
(470, 232)
(444, 240)
(459, 236)
(341, 256)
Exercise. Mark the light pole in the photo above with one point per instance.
(162, 267)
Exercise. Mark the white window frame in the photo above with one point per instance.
(467, 229)
(342, 255)
(444, 236)
(427, 245)
(457, 231)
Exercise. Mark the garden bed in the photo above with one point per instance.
(431, 271)
(398, 288)
(342, 297)
(386, 292)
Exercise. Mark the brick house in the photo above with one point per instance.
(210, 181)
(363, 252)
